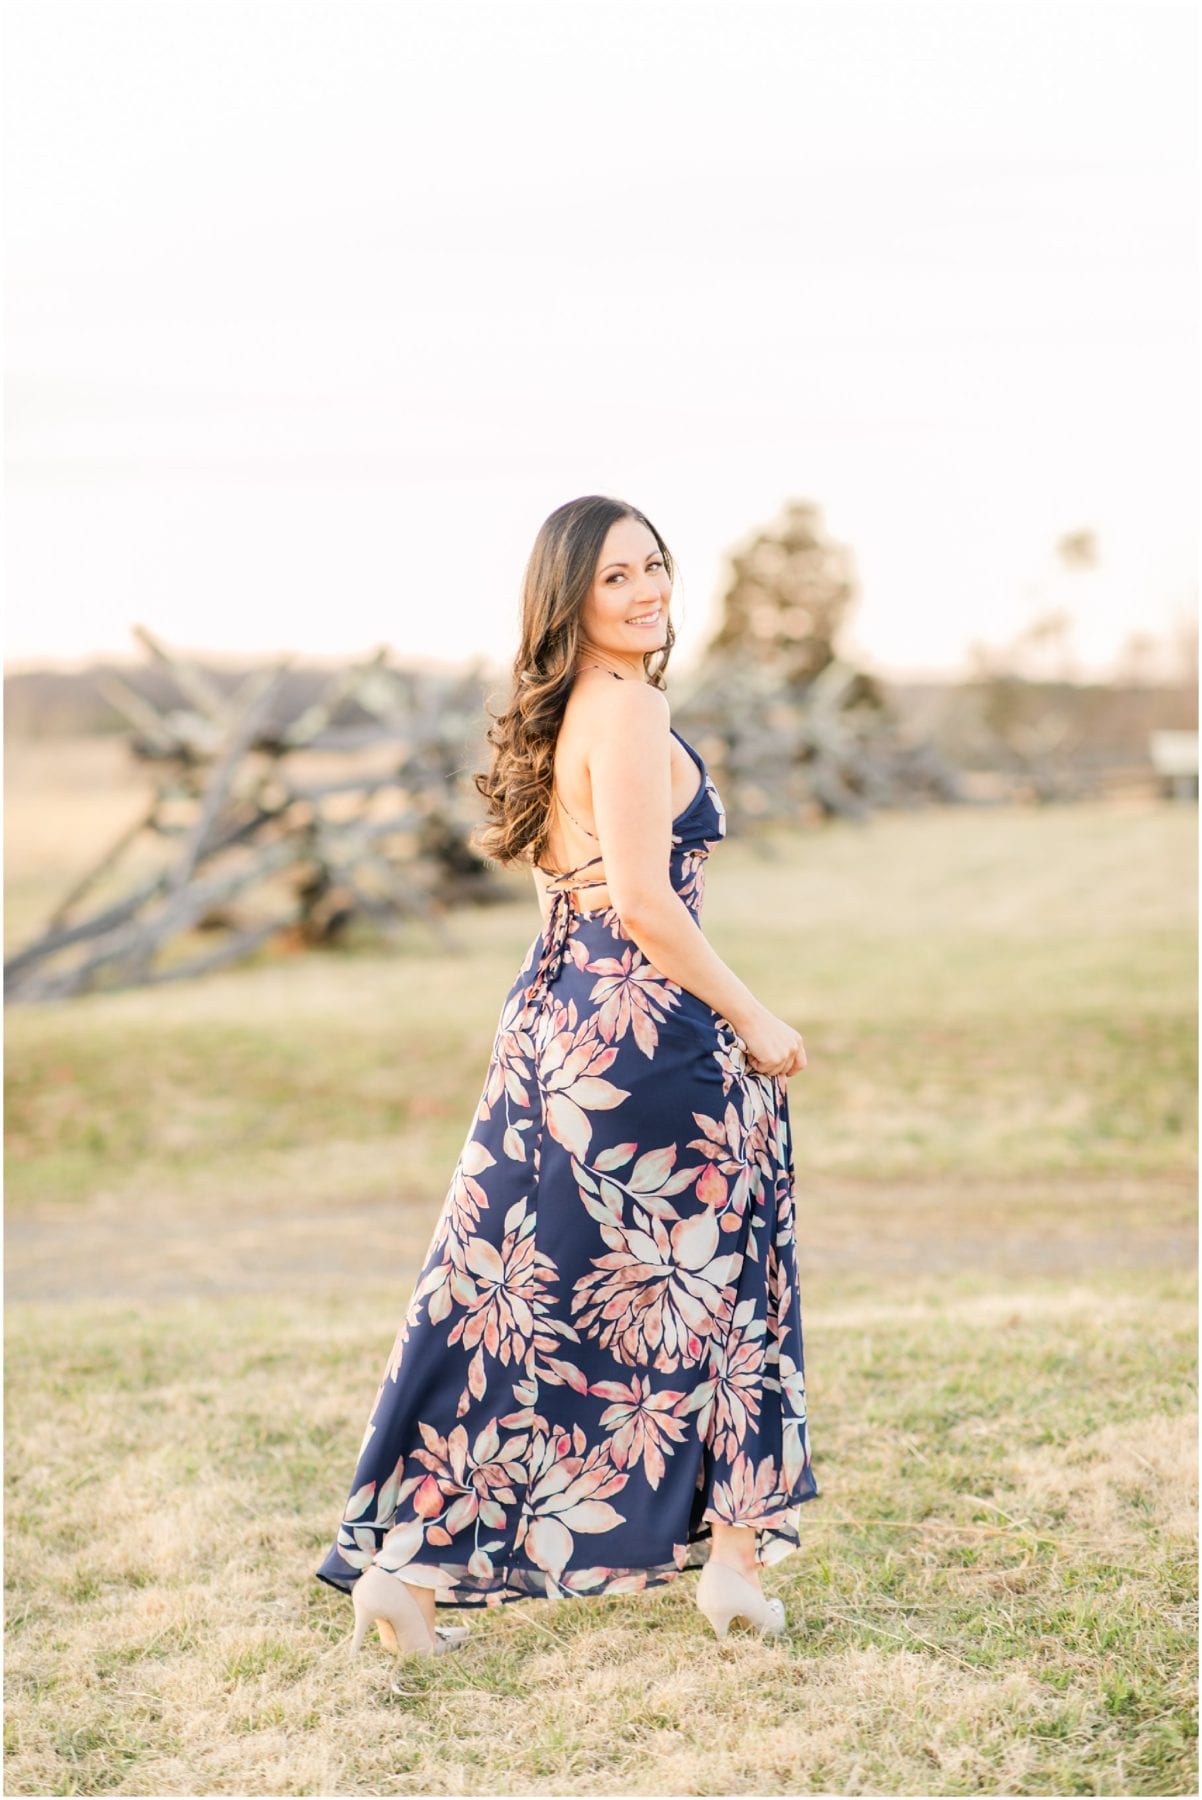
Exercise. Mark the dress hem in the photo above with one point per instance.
(779, 1540)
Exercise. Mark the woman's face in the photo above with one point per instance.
(631, 583)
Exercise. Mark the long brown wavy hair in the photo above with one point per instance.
(559, 577)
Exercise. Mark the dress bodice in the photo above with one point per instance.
(695, 830)
(694, 833)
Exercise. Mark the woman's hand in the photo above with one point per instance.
(771, 1046)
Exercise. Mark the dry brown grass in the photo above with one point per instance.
(217, 1202)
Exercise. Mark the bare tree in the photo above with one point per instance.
(794, 728)
(789, 593)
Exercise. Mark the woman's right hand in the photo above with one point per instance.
(771, 1046)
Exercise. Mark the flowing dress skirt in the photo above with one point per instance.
(602, 1355)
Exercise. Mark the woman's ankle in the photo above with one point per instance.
(735, 1546)
(737, 1556)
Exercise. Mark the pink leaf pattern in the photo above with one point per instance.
(602, 1352)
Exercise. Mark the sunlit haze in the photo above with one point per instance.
(315, 311)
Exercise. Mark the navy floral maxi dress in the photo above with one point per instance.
(602, 1354)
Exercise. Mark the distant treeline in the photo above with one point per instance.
(53, 703)
(1114, 721)
(1092, 721)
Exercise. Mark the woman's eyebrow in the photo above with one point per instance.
(648, 557)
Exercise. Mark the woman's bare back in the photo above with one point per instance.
(571, 838)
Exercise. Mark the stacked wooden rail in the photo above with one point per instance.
(259, 850)
(833, 748)
(240, 847)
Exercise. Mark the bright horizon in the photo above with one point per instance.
(309, 328)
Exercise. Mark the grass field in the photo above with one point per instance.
(217, 1198)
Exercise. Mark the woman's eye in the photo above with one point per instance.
(656, 562)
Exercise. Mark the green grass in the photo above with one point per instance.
(219, 1196)
(944, 1032)
(995, 1591)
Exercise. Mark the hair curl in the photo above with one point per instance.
(559, 577)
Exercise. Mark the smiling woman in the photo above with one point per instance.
(600, 1371)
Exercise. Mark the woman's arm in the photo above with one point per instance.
(544, 899)
(630, 775)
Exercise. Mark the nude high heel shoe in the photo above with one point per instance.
(723, 1594)
(382, 1597)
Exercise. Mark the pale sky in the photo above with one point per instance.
(314, 311)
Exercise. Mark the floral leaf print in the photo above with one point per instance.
(501, 1309)
(602, 1353)
(511, 1064)
(602, 1200)
(560, 1373)
(652, 1183)
(716, 800)
(658, 1295)
(399, 1552)
(795, 1443)
(466, 1199)
(692, 879)
(653, 1180)
(728, 1403)
(359, 1501)
(354, 1515)
(550, 1331)
(781, 1299)
(466, 1487)
(752, 1496)
(713, 1188)
(576, 1089)
(500, 1294)
(614, 1157)
(743, 1148)
(512, 1142)
(567, 1494)
(642, 1423)
(631, 995)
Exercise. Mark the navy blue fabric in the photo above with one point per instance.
(602, 1354)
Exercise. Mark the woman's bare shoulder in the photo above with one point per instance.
(599, 706)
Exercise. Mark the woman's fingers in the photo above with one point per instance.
(792, 1064)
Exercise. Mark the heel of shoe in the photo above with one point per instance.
(719, 1596)
(718, 1616)
(362, 1622)
(364, 1603)
(402, 1628)
(723, 1594)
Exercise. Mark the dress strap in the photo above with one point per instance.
(559, 922)
(567, 808)
(560, 874)
(573, 817)
(556, 931)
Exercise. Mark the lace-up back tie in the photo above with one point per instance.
(555, 933)
(559, 920)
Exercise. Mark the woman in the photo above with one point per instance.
(601, 1364)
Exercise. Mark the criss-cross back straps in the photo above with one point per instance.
(555, 939)
(574, 819)
(582, 825)
(555, 934)
(563, 874)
